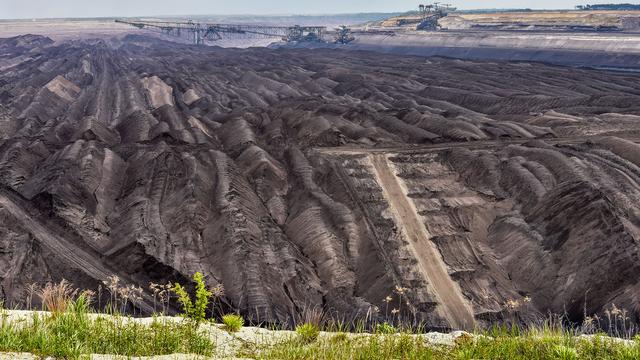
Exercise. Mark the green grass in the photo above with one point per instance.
(345, 347)
(385, 328)
(72, 333)
(530, 345)
(232, 322)
(308, 332)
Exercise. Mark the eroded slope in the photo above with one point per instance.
(152, 160)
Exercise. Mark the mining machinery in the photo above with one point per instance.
(344, 35)
(431, 14)
(201, 33)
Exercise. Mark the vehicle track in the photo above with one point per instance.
(405, 149)
(452, 304)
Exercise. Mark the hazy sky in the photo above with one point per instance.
(94, 8)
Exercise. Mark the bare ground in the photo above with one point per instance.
(509, 181)
(452, 303)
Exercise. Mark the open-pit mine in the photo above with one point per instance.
(477, 191)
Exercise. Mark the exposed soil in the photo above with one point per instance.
(453, 304)
(153, 160)
(591, 20)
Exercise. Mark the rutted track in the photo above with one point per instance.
(451, 301)
(474, 145)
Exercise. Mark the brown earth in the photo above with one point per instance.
(577, 18)
(526, 20)
(153, 160)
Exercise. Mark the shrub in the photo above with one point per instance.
(232, 322)
(385, 328)
(194, 311)
(308, 332)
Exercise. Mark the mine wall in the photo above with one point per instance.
(579, 49)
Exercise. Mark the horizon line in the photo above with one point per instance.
(270, 15)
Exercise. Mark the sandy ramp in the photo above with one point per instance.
(452, 305)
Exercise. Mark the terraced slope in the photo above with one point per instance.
(153, 160)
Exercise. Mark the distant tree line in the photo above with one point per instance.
(625, 6)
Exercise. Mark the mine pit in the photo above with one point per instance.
(319, 177)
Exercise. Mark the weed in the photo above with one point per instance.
(339, 337)
(232, 322)
(72, 334)
(312, 315)
(562, 352)
(385, 328)
(195, 311)
(56, 297)
(308, 332)
(344, 348)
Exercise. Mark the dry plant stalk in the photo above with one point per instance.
(56, 297)
(312, 315)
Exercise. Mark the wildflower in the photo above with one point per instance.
(89, 295)
(395, 311)
(400, 290)
(512, 304)
(387, 299)
(112, 283)
(136, 293)
(155, 288)
(31, 290)
(217, 291)
(614, 310)
(588, 321)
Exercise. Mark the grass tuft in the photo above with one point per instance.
(56, 297)
(385, 328)
(72, 333)
(232, 322)
(308, 332)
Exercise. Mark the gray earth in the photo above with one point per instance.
(302, 179)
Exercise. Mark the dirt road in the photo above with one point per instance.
(452, 304)
(471, 145)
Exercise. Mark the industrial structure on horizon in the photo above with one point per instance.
(425, 19)
(431, 14)
(200, 33)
